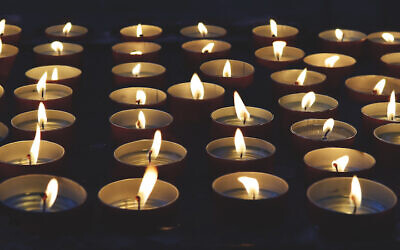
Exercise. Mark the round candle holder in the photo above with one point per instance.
(117, 201)
(193, 51)
(375, 115)
(56, 32)
(66, 75)
(124, 130)
(8, 55)
(131, 159)
(57, 97)
(378, 47)
(212, 32)
(151, 74)
(225, 123)
(223, 158)
(14, 160)
(387, 145)
(232, 202)
(12, 34)
(330, 207)
(318, 164)
(291, 56)
(149, 33)
(262, 35)
(59, 127)
(242, 73)
(361, 88)
(284, 82)
(125, 98)
(3, 132)
(351, 44)
(21, 199)
(308, 135)
(136, 52)
(70, 55)
(391, 64)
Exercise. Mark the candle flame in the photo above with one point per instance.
(67, 28)
(136, 53)
(141, 122)
(330, 61)
(308, 100)
(42, 117)
(136, 69)
(328, 127)
(139, 30)
(57, 46)
(391, 108)
(41, 85)
(278, 49)
(378, 89)
(1, 45)
(54, 75)
(240, 144)
(339, 34)
(302, 77)
(251, 185)
(208, 48)
(2, 26)
(274, 27)
(227, 72)
(148, 182)
(156, 146)
(202, 29)
(140, 97)
(388, 37)
(355, 193)
(51, 192)
(196, 87)
(241, 111)
(34, 152)
(340, 163)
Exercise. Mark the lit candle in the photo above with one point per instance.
(265, 35)
(9, 33)
(58, 53)
(8, 54)
(199, 51)
(66, 32)
(140, 32)
(136, 52)
(203, 31)
(138, 97)
(381, 43)
(60, 74)
(139, 74)
(343, 41)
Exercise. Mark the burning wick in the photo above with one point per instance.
(325, 137)
(149, 155)
(353, 199)
(137, 198)
(42, 125)
(44, 198)
(335, 165)
(29, 159)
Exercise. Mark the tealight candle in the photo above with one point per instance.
(387, 145)
(337, 162)
(265, 35)
(292, 81)
(3, 132)
(140, 32)
(138, 97)
(60, 74)
(381, 43)
(135, 124)
(254, 122)
(356, 206)
(203, 31)
(278, 56)
(391, 64)
(199, 51)
(311, 134)
(229, 73)
(250, 197)
(8, 54)
(300, 106)
(136, 52)
(371, 88)
(66, 32)
(139, 74)
(9, 33)
(58, 53)
(192, 102)
(343, 41)
(233, 154)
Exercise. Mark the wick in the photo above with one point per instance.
(138, 124)
(138, 102)
(141, 35)
(44, 198)
(244, 121)
(59, 52)
(374, 92)
(206, 52)
(42, 125)
(305, 108)
(241, 155)
(42, 93)
(137, 198)
(150, 153)
(325, 135)
(353, 199)
(29, 159)
(273, 35)
(254, 196)
(335, 165)
(296, 83)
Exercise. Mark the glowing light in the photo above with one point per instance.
(146, 186)
(67, 28)
(57, 46)
(340, 163)
(51, 193)
(274, 27)
(208, 48)
(2, 26)
(136, 69)
(140, 97)
(196, 87)
(41, 85)
(302, 77)
(391, 108)
(156, 146)
(54, 75)
(331, 61)
(328, 127)
(141, 122)
(355, 193)
(240, 145)
(339, 34)
(42, 117)
(388, 37)
(227, 72)
(308, 100)
(240, 109)
(136, 53)
(34, 152)
(139, 30)
(251, 185)
(278, 49)
(202, 29)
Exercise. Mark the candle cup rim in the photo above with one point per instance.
(1, 91)
(293, 49)
(349, 83)
(384, 57)
(156, 45)
(310, 112)
(232, 61)
(77, 72)
(161, 92)
(375, 104)
(13, 26)
(186, 44)
(161, 69)
(316, 73)
(123, 29)
(160, 112)
(79, 49)
(67, 90)
(362, 35)
(5, 130)
(83, 28)
(205, 99)
(244, 126)
(6, 46)
(372, 35)
(222, 31)
(266, 26)
(352, 59)
(379, 138)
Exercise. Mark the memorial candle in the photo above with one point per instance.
(66, 32)
(265, 35)
(9, 33)
(8, 54)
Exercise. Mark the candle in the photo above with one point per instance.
(66, 32)
(138, 97)
(140, 32)
(199, 51)
(265, 35)
(3, 132)
(9, 33)
(60, 74)
(135, 124)
(387, 145)
(233, 154)
(343, 41)
(139, 74)
(391, 64)
(229, 73)
(203, 31)
(136, 52)
(8, 54)
(380, 43)
(58, 53)
(192, 102)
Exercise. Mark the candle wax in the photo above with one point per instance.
(140, 158)
(71, 33)
(241, 193)
(316, 107)
(393, 137)
(343, 204)
(315, 132)
(141, 74)
(384, 117)
(24, 161)
(65, 52)
(32, 202)
(229, 152)
(380, 40)
(131, 203)
(233, 120)
(133, 126)
(49, 94)
(51, 124)
(332, 169)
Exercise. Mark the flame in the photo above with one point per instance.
(54, 75)
(278, 49)
(227, 72)
(197, 88)
(1, 46)
(67, 28)
(391, 108)
(273, 27)
(156, 146)
(388, 37)
(328, 126)
(141, 122)
(139, 30)
(202, 29)
(378, 89)
(340, 163)
(251, 185)
(140, 97)
(240, 145)
(34, 152)
(308, 100)
(2, 26)
(146, 186)
(51, 192)
(241, 111)
(41, 85)
(330, 61)
(42, 117)
(136, 69)
(136, 53)
(57, 46)
(208, 48)
(339, 34)
(355, 193)
(302, 77)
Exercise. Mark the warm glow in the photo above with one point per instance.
(340, 163)
(251, 185)
(67, 28)
(273, 27)
(227, 72)
(136, 69)
(141, 122)
(241, 111)
(146, 186)
(42, 117)
(388, 37)
(1, 45)
(391, 108)
(196, 87)
(240, 145)
(51, 192)
(54, 75)
(2, 26)
(34, 152)
(208, 48)
(202, 29)
(136, 53)
(41, 85)
(355, 193)
(140, 97)
(139, 30)
(57, 46)
(330, 61)
(328, 126)
(308, 100)
(156, 146)
(378, 89)
(278, 49)
(339, 34)
(302, 77)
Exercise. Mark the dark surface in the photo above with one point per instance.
(91, 159)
